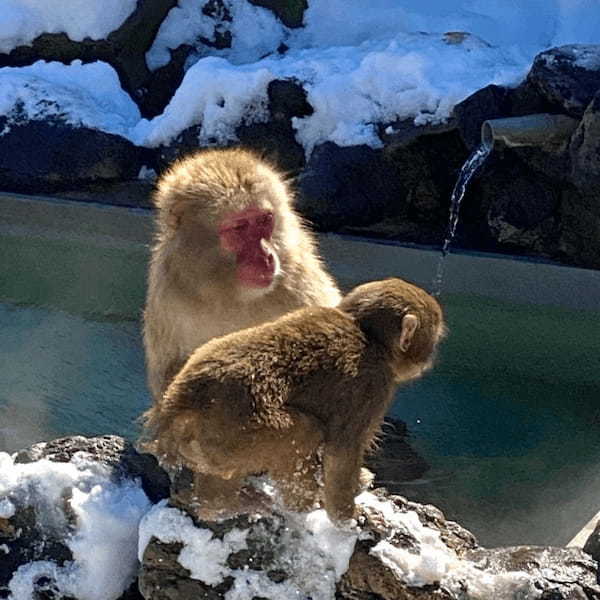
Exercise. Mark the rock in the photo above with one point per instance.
(290, 12)
(522, 212)
(57, 500)
(490, 102)
(276, 139)
(585, 149)
(49, 155)
(400, 550)
(395, 461)
(158, 90)
(557, 573)
(117, 453)
(567, 77)
(592, 544)
(346, 186)
(579, 216)
(124, 48)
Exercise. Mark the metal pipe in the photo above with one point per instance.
(530, 130)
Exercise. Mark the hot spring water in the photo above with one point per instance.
(508, 420)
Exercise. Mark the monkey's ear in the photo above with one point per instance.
(409, 325)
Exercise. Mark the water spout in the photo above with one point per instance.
(530, 130)
(473, 163)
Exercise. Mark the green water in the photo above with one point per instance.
(509, 419)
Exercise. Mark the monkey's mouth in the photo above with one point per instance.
(258, 272)
(256, 280)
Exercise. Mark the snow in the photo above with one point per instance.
(310, 549)
(360, 67)
(104, 540)
(436, 563)
(223, 95)
(254, 31)
(87, 95)
(24, 20)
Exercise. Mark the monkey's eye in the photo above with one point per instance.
(264, 220)
(239, 226)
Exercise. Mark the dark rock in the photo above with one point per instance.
(559, 573)
(567, 77)
(395, 460)
(124, 48)
(579, 216)
(585, 149)
(346, 186)
(276, 139)
(592, 544)
(403, 132)
(51, 155)
(119, 454)
(490, 102)
(290, 12)
(30, 536)
(161, 576)
(160, 86)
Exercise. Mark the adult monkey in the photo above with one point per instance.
(230, 253)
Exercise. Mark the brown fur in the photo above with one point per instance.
(193, 294)
(269, 398)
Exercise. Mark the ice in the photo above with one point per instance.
(24, 20)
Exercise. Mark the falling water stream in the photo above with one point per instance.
(472, 164)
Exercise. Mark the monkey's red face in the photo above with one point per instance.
(247, 234)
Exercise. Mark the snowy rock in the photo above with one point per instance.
(567, 77)
(290, 12)
(272, 136)
(276, 138)
(119, 33)
(69, 512)
(398, 550)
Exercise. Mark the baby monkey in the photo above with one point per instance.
(288, 398)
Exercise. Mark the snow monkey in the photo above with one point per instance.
(230, 253)
(303, 393)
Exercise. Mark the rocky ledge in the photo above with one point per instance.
(91, 518)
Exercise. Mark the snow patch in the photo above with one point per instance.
(311, 550)
(255, 32)
(435, 563)
(104, 541)
(79, 94)
(214, 94)
(24, 20)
